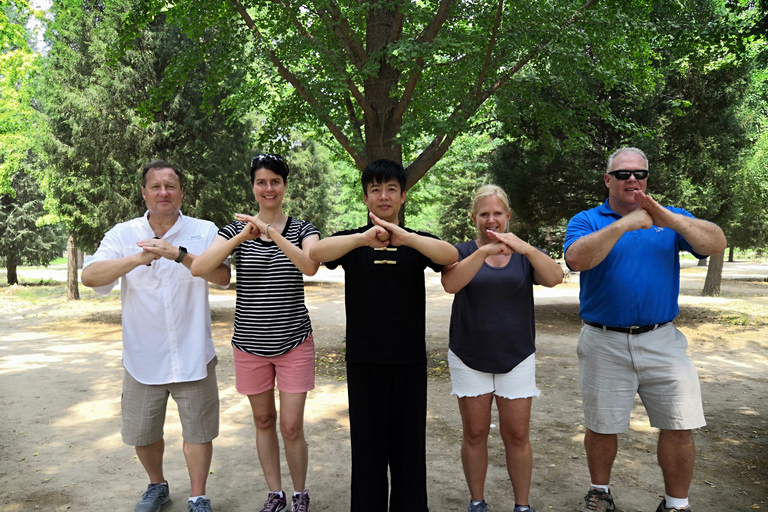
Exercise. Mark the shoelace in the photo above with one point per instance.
(200, 504)
(152, 493)
(300, 504)
(273, 501)
(593, 499)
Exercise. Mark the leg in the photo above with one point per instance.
(292, 431)
(676, 453)
(368, 417)
(476, 425)
(198, 458)
(514, 420)
(267, 446)
(151, 457)
(407, 426)
(601, 452)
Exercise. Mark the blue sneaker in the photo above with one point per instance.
(199, 505)
(479, 507)
(153, 498)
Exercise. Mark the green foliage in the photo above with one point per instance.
(22, 240)
(98, 140)
(388, 80)
(19, 64)
(309, 184)
(690, 124)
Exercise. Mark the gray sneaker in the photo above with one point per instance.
(275, 502)
(300, 502)
(480, 507)
(199, 505)
(524, 508)
(153, 498)
(663, 508)
(598, 501)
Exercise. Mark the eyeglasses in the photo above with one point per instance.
(623, 174)
(267, 156)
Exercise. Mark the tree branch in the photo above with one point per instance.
(301, 89)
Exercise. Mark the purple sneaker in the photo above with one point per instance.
(300, 502)
(275, 502)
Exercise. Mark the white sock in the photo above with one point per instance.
(298, 493)
(671, 502)
(195, 498)
(604, 488)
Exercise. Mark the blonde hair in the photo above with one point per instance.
(486, 191)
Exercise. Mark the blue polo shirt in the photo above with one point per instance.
(638, 283)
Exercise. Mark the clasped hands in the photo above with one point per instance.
(156, 248)
(650, 213)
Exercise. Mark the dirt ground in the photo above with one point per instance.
(60, 379)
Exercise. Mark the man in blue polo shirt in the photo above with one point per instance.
(627, 252)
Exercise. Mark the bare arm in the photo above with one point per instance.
(219, 250)
(334, 247)
(219, 274)
(298, 256)
(437, 250)
(457, 275)
(705, 237)
(589, 251)
(106, 272)
(546, 271)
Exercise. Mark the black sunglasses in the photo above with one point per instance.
(622, 174)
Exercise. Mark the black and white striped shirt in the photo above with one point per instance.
(270, 316)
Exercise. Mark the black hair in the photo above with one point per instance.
(271, 161)
(159, 164)
(382, 171)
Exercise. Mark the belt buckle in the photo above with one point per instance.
(633, 329)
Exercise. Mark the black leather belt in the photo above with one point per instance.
(628, 330)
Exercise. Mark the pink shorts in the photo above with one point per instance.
(293, 371)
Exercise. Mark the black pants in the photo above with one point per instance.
(388, 421)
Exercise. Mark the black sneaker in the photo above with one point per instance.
(300, 502)
(598, 501)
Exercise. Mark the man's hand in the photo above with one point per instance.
(661, 217)
(637, 219)
(397, 235)
(158, 248)
(376, 237)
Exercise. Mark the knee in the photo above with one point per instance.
(265, 420)
(516, 437)
(475, 435)
(291, 430)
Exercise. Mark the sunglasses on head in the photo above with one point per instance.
(622, 174)
(267, 156)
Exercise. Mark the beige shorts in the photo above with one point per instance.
(614, 367)
(143, 409)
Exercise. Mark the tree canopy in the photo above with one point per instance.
(401, 80)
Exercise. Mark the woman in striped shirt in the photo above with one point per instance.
(273, 335)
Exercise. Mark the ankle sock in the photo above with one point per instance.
(671, 502)
(195, 498)
(604, 488)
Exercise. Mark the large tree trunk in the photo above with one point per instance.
(73, 291)
(714, 275)
(10, 266)
(730, 254)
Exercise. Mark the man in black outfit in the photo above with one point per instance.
(386, 352)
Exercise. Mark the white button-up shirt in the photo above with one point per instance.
(166, 315)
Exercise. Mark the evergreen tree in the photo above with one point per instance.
(22, 240)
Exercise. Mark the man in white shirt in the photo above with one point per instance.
(167, 343)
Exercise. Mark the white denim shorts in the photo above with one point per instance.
(614, 367)
(518, 383)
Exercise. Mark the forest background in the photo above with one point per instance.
(531, 95)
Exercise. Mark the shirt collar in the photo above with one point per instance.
(176, 226)
(605, 209)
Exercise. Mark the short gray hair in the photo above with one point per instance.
(625, 150)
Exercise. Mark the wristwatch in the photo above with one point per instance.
(182, 254)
